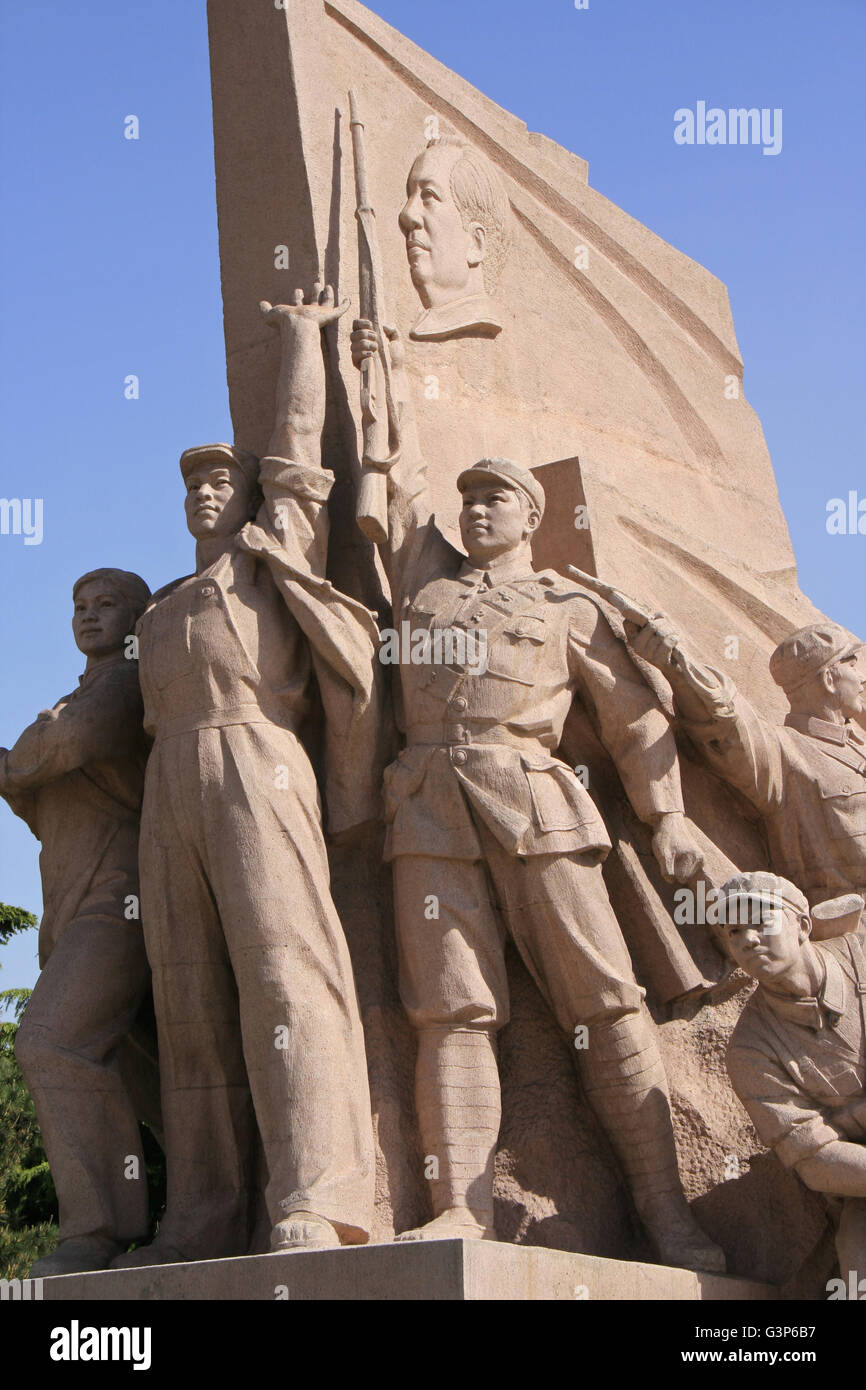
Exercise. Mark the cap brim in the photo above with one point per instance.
(225, 454)
(751, 915)
(836, 917)
(486, 475)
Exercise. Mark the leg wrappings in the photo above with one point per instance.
(459, 1113)
(626, 1085)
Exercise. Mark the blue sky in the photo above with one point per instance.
(109, 264)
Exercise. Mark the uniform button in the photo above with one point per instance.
(846, 789)
(477, 618)
(433, 676)
(461, 703)
(460, 756)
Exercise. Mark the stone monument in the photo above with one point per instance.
(454, 1010)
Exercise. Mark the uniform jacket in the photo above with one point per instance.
(487, 738)
(807, 778)
(239, 642)
(799, 1066)
(76, 777)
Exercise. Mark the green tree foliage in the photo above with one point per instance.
(28, 1205)
(13, 920)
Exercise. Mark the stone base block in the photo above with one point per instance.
(455, 1270)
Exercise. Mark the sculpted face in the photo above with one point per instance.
(101, 619)
(848, 680)
(217, 500)
(770, 948)
(444, 256)
(494, 520)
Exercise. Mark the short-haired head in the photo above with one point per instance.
(480, 196)
(126, 585)
(223, 491)
(490, 470)
(801, 663)
(745, 897)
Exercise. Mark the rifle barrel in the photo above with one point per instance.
(357, 127)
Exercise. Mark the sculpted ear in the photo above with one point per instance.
(477, 234)
(532, 518)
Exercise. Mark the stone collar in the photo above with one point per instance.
(87, 677)
(499, 572)
(816, 1012)
(840, 734)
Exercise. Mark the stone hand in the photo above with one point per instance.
(677, 852)
(319, 309)
(657, 641)
(365, 344)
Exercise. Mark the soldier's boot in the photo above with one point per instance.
(625, 1082)
(303, 1230)
(459, 1112)
(77, 1255)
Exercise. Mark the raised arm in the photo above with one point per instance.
(737, 742)
(300, 405)
(294, 485)
(415, 550)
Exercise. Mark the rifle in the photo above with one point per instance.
(379, 420)
(631, 611)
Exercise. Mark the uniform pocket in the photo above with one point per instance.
(402, 779)
(845, 810)
(559, 800)
(515, 654)
(163, 647)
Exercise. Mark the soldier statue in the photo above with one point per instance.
(76, 777)
(797, 1057)
(806, 777)
(482, 814)
(253, 984)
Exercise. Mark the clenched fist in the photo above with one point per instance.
(657, 641)
(365, 344)
(677, 852)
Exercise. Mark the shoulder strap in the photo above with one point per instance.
(858, 960)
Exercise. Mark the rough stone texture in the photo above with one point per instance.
(86, 1045)
(628, 417)
(806, 778)
(441, 1270)
(258, 1022)
(643, 336)
(797, 1059)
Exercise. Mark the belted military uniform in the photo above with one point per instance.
(807, 778)
(76, 777)
(482, 816)
(478, 782)
(253, 983)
